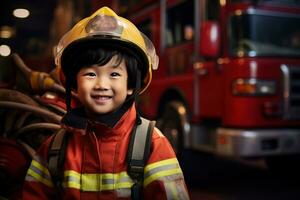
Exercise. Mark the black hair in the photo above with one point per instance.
(101, 56)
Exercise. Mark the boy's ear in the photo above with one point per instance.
(129, 91)
(74, 90)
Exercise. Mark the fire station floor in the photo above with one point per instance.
(213, 178)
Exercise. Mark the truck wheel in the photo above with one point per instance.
(172, 124)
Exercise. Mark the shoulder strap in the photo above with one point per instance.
(56, 157)
(138, 154)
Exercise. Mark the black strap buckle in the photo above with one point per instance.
(136, 172)
(136, 191)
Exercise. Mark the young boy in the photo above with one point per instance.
(107, 62)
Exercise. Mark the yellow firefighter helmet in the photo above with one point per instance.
(105, 28)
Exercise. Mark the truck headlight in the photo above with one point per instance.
(253, 87)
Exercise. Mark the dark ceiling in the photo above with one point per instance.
(30, 34)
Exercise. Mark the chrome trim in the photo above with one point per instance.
(252, 11)
(249, 143)
(197, 23)
(294, 93)
(196, 110)
(196, 82)
(245, 142)
(286, 90)
(163, 9)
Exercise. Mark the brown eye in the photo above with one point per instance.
(114, 74)
(90, 74)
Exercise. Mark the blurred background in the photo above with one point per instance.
(226, 94)
(32, 28)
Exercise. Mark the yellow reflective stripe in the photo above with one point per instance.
(72, 185)
(171, 191)
(90, 182)
(158, 175)
(174, 191)
(72, 179)
(39, 178)
(39, 173)
(122, 180)
(161, 169)
(97, 182)
(72, 173)
(161, 163)
(43, 169)
(124, 185)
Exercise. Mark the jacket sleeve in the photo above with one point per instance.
(163, 178)
(38, 184)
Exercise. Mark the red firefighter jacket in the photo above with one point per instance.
(96, 167)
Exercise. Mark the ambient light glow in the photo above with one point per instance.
(6, 32)
(4, 50)
(21, 13)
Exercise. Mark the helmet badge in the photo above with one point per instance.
(103, 24)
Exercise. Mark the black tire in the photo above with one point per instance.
(171, 125)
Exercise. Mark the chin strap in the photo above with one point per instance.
(136, 93)
(138, 84)
(68, 95)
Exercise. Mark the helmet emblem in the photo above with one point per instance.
(104, 24)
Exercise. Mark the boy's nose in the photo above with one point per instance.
(101, 84)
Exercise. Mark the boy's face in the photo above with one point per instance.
(102, 89)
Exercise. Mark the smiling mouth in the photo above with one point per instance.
(101, 99)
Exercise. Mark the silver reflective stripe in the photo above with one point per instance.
(162, 170)
(38, 172)
(176, 190)
(123, 192)
(42, 172)
(71, 181)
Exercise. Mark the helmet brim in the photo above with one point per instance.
(106, 42)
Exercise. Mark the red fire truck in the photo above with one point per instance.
(228, 82)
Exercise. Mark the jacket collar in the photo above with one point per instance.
(76, 121)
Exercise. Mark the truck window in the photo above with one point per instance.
(180, 23)
(282, 2)
(129, 4)
(212, 10)
(264, 34)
